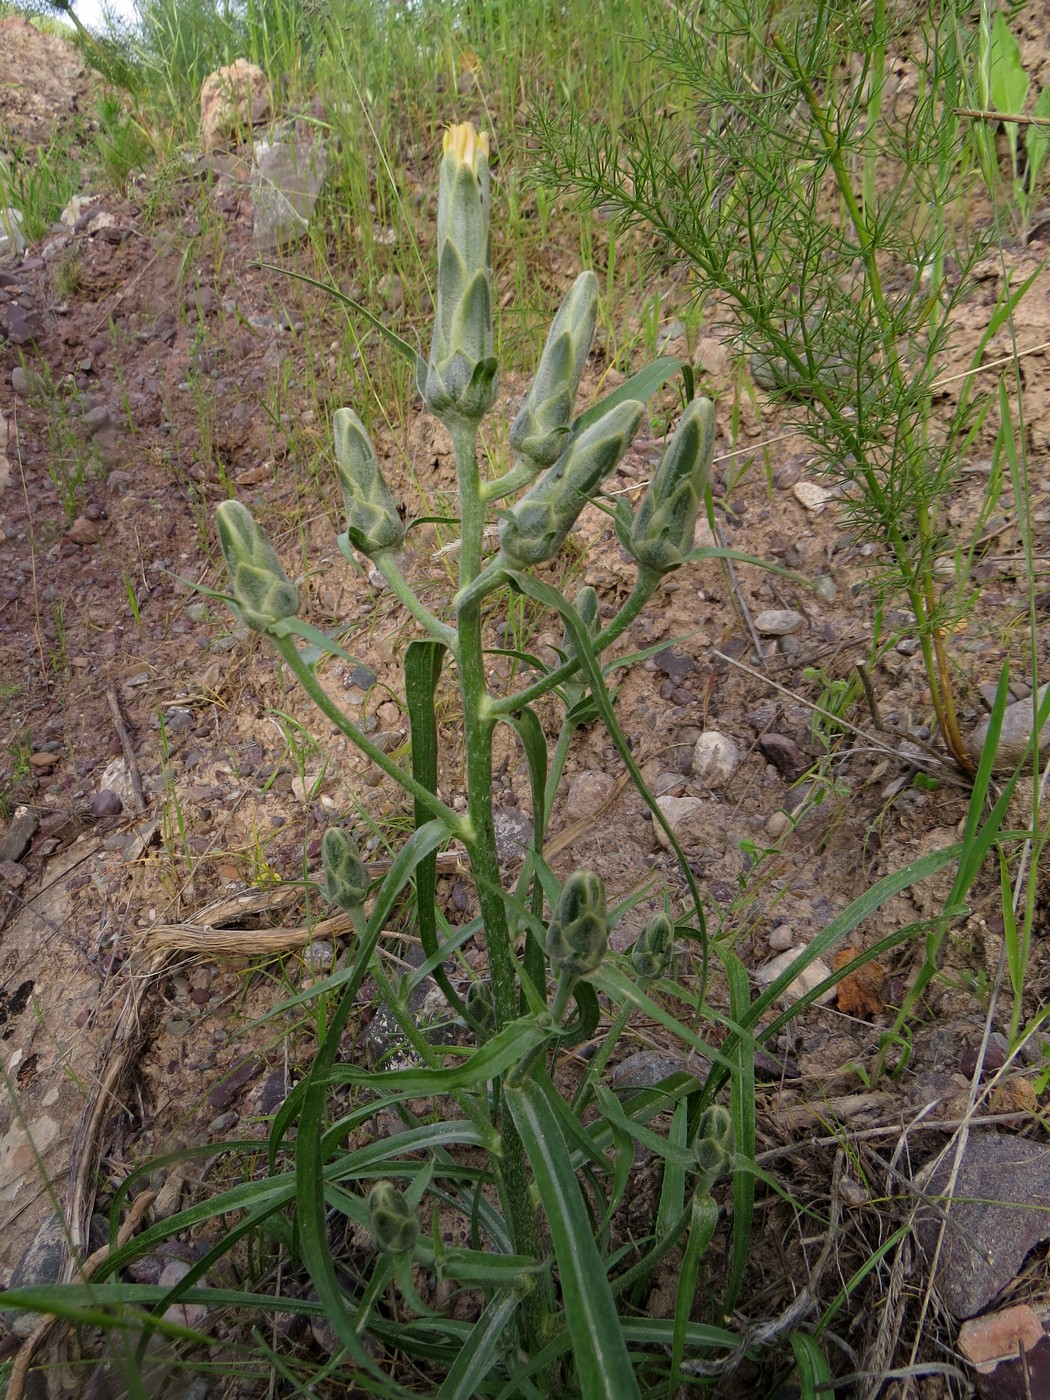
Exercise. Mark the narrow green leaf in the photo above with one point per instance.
(603, 1364)
(640, 386)
(410, 353)
(611, 980)
(814, 1373)
(742, 1108)
(1009, 81)
(487, 1062)
(483, 1351)
(702, 1224)
(1037, 140)
(677, 1156)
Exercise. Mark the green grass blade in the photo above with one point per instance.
(602, 1361)
(410, 353)
(814, 1373)
(640, 386)
(742, 1108)
(482, 1352)
(704, 1218)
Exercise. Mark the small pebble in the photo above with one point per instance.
(782, 939)
(824, 588)
(715, 759)
(105, 803)
(587, 793)
(812, 496)
(778, 622)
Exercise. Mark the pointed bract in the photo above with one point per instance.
(372, 521)
(662, 533)
(534, 530)
(262, 590)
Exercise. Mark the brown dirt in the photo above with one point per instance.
(207, 371)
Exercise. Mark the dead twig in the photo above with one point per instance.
(126, 746)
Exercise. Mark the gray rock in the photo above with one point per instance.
(21, 324)
(782, 939)
(514, 832)
(1014, 736)
(778, 622)
(648, 1068)
(97, 418)
(998, 1215)
(695, 821)
(286, 182)
(15, 841)
(825, 589)
(42, 1263)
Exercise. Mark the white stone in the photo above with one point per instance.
(715, 759)
(811, 495)
(116, 778)
(12, 240)
(807, 978)
(778, 622)
(77, 206)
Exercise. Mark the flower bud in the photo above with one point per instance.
(534, 529)
(578, 933)
(461, 374)
(261, 588)
(372, 521)
(481, 1005)
(542, 425)
(346, 875)
(395, 1225)
(662, 533)
(651, 955)
(713, 1145)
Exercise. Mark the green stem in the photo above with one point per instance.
(640, 595)
(478, 724)
(387, 565)
(317, 693)
(519, 475)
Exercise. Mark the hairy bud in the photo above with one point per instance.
(346, 875)
(262, 590)
(461, 374)
(372, 521)
(578, 933)
(534, 529)
(662, 533)
(395, 1224)
(651, 955)
(540, 430)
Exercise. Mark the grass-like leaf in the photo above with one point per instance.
(603, 1364)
